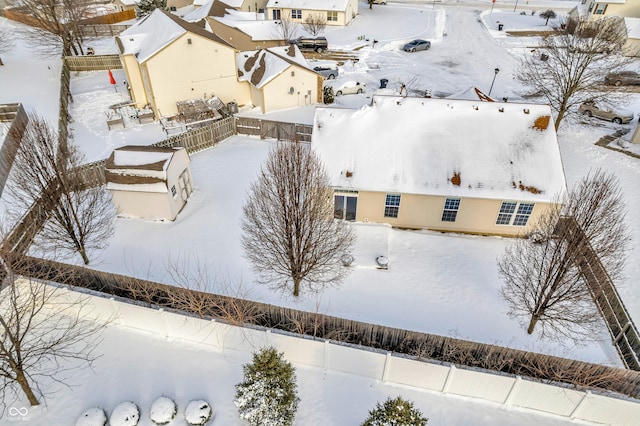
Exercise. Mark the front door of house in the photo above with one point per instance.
(345, 207)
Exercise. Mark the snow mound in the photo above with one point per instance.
(125, 414)
(92, 417)
(163, 410)
(198, 412)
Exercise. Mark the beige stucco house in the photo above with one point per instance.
(167, 59)
(441, 164)
(246, 34)
(632, 45)
(149, 182)
(336, 12)
(598, 8)
(280, 78)
(122, 5)
(241, 5)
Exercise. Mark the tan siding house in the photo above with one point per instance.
(338, 12)
(149, 182)
(167, 60)
(447, 165)
(280, 78)
(599, 8)
(246, 35)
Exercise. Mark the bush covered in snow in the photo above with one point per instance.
(395, 412)
(268, 394)
(125, 414)
(198, 412)
(163, 410)
(92, 417)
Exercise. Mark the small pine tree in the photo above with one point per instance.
(328, 95)
(395, 412)
(145, 7)
(268, 394)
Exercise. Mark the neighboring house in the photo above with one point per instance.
(241, 5)
(246, 34)
(337, 12)
(441, 164)
(599, 8)
(149, 182)
(280, 78)
(167, 59)
(632, 45)
(125, 4)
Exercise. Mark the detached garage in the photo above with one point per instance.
(149, 182)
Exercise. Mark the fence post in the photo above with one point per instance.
(512, 391)
(326, 355)
(579, 405)
(447, 383)
(167, 334)
(387, 365)
(116, 311)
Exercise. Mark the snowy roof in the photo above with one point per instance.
(257, 30)
(472, 94)
(338, 5)
(200, 13)
(416, 145)
(139, 168)
(157, 30)
(261, 66)
(129, 2)
(633, 27)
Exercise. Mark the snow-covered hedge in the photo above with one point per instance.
(163, 410)
(125, 414)
(198, 412)
(92, 417)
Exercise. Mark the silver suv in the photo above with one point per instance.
(605, 112)
(328, 72)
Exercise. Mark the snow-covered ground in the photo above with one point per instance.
(441, 284)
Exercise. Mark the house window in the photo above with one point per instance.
(296, 14)
(174, 193)
(332, 16)
(522, 216)
(506, 213)
(600, 8)
(392, 205)
(518, 212)
(450, 212)
(345, 207)
(293, 73)
(276, 14)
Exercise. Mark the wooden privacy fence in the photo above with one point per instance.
(14, 114)
(274, 129)
(93, 63)
(422, 345)
(622, 329)
(99, 30)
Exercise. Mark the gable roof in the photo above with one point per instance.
(472, 94)
(157, 30)
(337, 5)
(259, 67)
(257, 30)
(417, 145)
(210, 8)
(139, 168)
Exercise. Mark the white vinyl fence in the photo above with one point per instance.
(497, 388)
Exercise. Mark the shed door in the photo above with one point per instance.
(185, 185)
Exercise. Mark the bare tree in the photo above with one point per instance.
(44, 334)
(571, 62)
(6, 42)
(315, 23)
(55, 24)
(80, 215)
(286, 29)
(543, 283)
(288, 231)
(548, 14)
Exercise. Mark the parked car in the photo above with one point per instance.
(605, 112)
(326, 71)
(379, 1)
(349, 87)
(623, 78)
(318, 44)
(416, 45)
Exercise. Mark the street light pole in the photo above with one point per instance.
(514, 7)
(496, 71)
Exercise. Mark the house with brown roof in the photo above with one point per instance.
(149, 182)
(465, 166)
(279, 78)
(167, 59)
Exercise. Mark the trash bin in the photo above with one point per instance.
(232, 107)
(544, 57)
(500, 27)
(383, 83)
